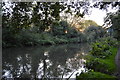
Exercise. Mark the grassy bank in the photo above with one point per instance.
(95, 76)
(101, 61)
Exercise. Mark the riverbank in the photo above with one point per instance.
(101, 68)
(101, 61)
(36, 39)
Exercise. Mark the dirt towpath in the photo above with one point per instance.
(117, 60)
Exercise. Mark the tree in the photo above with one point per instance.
(42, 14)
(113, 19)
(94, 32)
(20, 16)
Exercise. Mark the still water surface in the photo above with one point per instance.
(59, 61)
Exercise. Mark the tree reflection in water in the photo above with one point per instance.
(63, 61)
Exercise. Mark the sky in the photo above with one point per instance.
(98, 15)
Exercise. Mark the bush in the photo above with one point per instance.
(110, 41)
(94, 32)
(60, 40)
(28, 38)
(97, 65)
(100, 50)
(102, 57)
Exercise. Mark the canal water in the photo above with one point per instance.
(58, 61)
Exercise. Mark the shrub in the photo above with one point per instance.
(102, 58)
(100, 50)
(110, 41)
(97, 65)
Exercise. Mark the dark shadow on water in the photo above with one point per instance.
(60, 61)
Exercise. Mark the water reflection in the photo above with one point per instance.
(62, 61)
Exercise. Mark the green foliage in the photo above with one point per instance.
(60, 40)
(97, 65)
(88, 23)
(35, 23)
(106, 65)
(72, 33)
(100, 50)
(36, 38)
(93, 33)
(59, 33)
(27, 38)
(114, 19)
(110, 41)
(103, 66)
(101, 59)
(58, 29)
